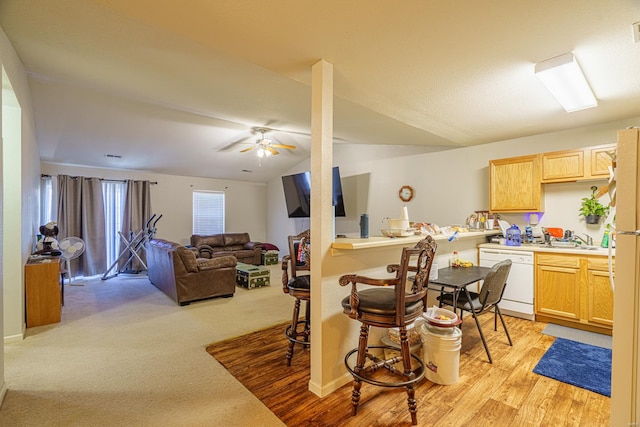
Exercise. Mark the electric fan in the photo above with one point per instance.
(71, 248)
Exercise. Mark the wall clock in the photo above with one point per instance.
(406, 193)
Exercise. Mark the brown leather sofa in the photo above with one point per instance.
(176, 271)
(236, 244)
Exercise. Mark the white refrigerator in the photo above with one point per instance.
(625, 375)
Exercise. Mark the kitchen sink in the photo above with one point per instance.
(589, 247)
(563, 244)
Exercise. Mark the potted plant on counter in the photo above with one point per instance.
(592, 209)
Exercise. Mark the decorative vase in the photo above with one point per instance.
(592, 219)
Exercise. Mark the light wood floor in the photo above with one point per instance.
(505, 393)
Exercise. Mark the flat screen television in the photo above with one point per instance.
(297, 194)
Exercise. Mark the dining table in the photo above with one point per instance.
(456, 280)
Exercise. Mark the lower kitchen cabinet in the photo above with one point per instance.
(574, 290)
(600, 304)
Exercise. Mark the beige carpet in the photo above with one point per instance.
(126, 355)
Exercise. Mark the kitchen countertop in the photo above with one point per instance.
(381, 241)
(541, 248)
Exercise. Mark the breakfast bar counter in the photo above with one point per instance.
(381, 241)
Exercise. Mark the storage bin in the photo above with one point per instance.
(441, 353)
(269, 257)
(251, 276)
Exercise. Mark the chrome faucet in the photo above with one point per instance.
(588, 241)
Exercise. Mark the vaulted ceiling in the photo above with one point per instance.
(179, 87)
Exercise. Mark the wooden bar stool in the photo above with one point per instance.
(394, 302)
(298, 285)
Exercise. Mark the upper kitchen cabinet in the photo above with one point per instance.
(515, 184)
(600, 160)
(577, 165)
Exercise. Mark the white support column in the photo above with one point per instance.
(321, 206)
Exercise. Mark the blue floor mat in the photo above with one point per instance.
(578, 364)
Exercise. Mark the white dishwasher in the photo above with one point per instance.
(518, 295)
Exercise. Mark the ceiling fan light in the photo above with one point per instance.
(262, 153)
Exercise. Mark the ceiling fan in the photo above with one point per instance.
(265, 146)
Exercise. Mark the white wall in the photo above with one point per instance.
(450, 185)
(172, 198)
(17, 128)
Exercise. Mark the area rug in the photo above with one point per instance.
(573, 334)
(582, 365)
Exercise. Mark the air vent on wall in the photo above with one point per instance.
(113, 156)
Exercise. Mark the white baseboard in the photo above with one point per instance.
(13, 338)
(331, 386)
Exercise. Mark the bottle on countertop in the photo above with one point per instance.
(605, 238)
(454, 261)
(364, 226)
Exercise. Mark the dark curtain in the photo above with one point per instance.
(81, 214)
(136, 214)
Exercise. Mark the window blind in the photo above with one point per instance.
(208, 212)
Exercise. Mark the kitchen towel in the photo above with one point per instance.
(582, 365)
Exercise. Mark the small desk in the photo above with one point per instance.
(42, 291)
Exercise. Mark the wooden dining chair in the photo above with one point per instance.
(487, 299)
(393, 302)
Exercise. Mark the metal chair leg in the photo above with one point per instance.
(484, 341)
(504, 325)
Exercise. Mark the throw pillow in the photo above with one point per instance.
(188, 259)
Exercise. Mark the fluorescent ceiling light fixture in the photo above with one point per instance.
(564, 79)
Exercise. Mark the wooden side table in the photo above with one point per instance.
(42, 291)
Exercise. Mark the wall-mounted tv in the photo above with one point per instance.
(297, 194)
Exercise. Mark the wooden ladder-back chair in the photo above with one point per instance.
(394, 302)
(296, 281)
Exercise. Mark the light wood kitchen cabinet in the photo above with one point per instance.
(563, 166)
(574, 290)
(577, 165)
(600, 304)
(515, 184)
(599, 161)
(557, 287)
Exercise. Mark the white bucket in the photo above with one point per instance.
(441, 353)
